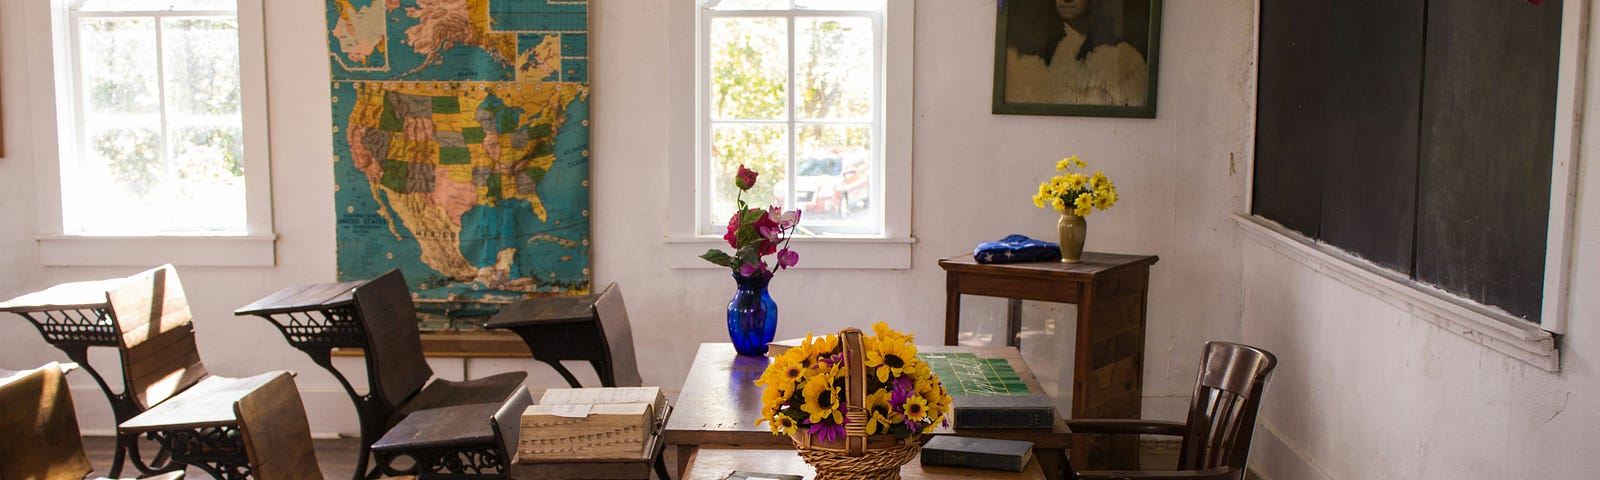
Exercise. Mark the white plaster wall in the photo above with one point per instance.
(973, 173)
(1365, 390)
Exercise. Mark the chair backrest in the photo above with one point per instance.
(277, 437)
(38, 428)
(619, 337)
(507, 425)
(1222, 413)
(394, 344)
(156, 332)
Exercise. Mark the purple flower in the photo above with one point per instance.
(832, 360)
(750, 269)
(903, 389)
(827, 431)
(788, 258)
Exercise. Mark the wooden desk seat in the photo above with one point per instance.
(399, 374)
(39, 428)
(185, 408)
(459, 441)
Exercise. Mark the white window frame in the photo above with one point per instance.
(690, 135)
(1489, 326)
(52, 55)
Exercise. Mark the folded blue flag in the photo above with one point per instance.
(1016, 248)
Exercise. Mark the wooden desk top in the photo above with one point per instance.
(301, 298)
(206, 404)
(66, 296)
(545, 310)
(453, 426)
(1092, 263)
(717, 463)
(720, 402)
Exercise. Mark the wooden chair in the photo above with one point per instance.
(185, 408)
(39, 429)
(593, 328)
(398, 371)
(1222, 418)
(277, 436)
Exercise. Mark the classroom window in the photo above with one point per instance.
(794, 90)
(156, 142)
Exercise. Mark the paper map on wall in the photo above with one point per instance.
(461, 145)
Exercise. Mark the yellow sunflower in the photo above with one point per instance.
(916, 408)
(783, 425)
(821, 400)
(886, 333)
(890, 358)
(879, 414)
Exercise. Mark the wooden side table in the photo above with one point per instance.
(1111, 292)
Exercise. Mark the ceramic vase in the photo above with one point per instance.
(1073, 230)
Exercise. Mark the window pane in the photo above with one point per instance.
(118, 58)
(156, 5)
(833, 173)
(749, 65)
(866, 5)
(202, 65)
(759, 147)
(833, 65)
(749, 5)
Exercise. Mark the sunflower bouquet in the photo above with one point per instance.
(1076, 192)
(804, 389)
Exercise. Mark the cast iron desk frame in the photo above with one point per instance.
(73, 317)
(316, 319)
(1111, 292)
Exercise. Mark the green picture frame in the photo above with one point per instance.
(1047, 63)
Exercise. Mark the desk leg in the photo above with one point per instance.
(1013, 322)
(1108, 369)
(952, 308)
(685, 452)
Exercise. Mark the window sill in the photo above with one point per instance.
(195, 251)
(819, 253)
(1498, 331)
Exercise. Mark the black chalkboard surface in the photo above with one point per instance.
(1416, 134)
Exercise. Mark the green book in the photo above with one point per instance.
(984, 453)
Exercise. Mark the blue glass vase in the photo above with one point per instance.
(752, 315)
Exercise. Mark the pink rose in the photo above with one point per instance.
(733, 229)
(745, 179)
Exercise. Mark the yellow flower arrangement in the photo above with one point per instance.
(1076, 192)
(803, 388)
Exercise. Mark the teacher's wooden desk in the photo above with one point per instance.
(1110, 291)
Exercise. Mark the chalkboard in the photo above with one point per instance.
(1489, 123)
(1336, 142)
(1416, 134)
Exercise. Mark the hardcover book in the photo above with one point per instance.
(984, 453)
(988, 393)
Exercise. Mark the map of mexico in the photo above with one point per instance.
(461, 140)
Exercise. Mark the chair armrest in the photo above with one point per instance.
(1219, 473)
(1127, 426)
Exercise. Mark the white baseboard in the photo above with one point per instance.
(1271, 457)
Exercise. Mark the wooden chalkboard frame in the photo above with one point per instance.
(1152, 64)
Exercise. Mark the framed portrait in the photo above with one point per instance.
(1077, 57)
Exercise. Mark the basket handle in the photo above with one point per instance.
(855, 427)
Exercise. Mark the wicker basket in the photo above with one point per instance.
(857, 455)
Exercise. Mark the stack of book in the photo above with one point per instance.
(590, 424)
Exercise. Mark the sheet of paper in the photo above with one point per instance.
(571, 411)
(570, 396)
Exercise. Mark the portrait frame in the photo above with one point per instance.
(1149, 42)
